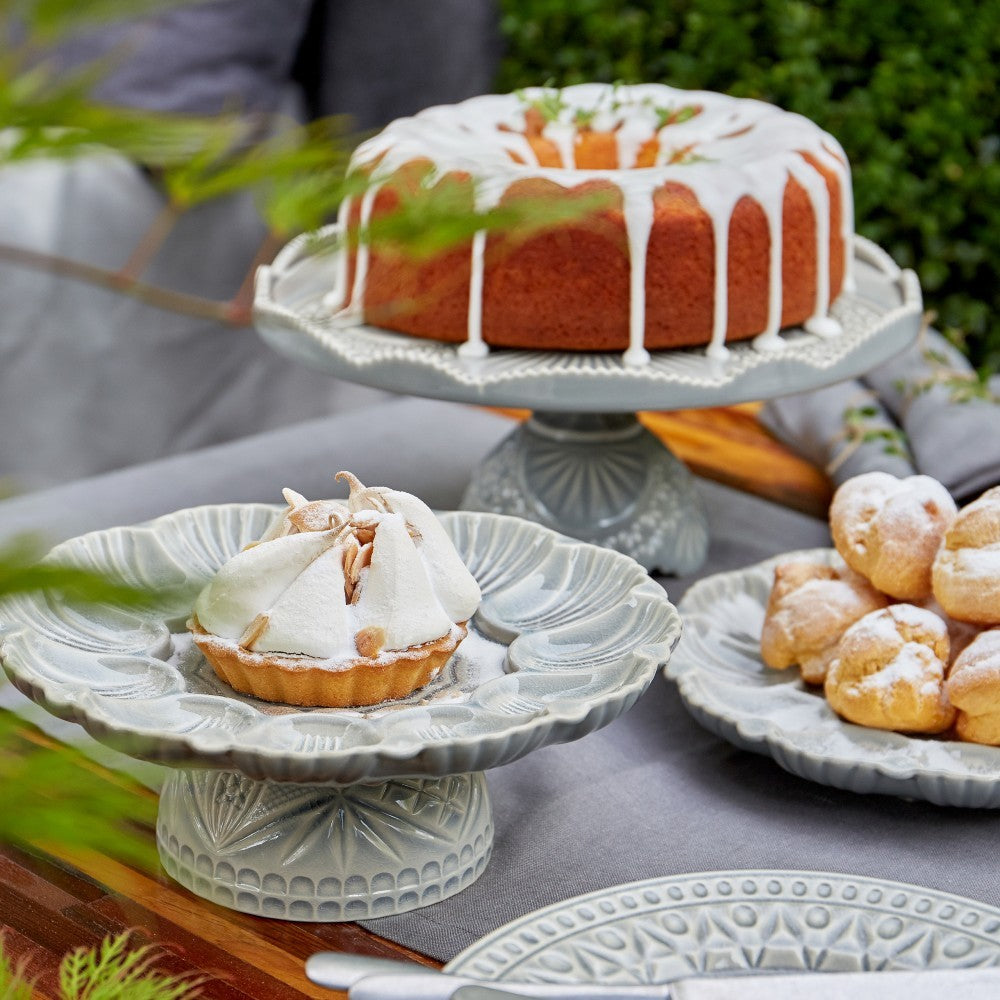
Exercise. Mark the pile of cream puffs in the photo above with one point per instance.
(906, 635)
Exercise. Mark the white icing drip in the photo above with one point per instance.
(336, 297)
(823, 326)
(718, 205)
(832, 155)
(630, 137)
(354, 309)
(487, 196)
(638, 212)
(474, 346)
(770, 185)
(563, 136)
(518, 146)
(819, 199)
(741, 145)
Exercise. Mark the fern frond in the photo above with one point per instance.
(114, 971)
(14, 981)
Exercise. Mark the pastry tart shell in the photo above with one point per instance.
(306, 681)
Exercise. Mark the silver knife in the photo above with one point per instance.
(445, 986)
(416, 982)
(368, 978)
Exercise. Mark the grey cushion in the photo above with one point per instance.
(389, 58)
(197, 58)
(373, 60)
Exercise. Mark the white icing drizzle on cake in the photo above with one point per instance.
(354, 307)
(719, 147)
(474, 346)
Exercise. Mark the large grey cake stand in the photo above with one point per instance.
(339, 814)
(583, 464)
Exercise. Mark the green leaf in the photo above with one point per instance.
(48, 788)
(431, 219)
(21, 572)
(297, 175)
(548, 103)
(675, 116)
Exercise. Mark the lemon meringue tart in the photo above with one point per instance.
(339, 604)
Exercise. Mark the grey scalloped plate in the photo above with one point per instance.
(728, 689)
(567, 638)
(880, 319)
(736, 922)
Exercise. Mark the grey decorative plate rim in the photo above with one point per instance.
(726, 686)
(718, 923)
(879, 321)
(532, 691)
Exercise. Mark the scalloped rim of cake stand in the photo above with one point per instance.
(572, 664)
(880, 318)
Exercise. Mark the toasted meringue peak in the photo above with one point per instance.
(325, 572)
(253, 580)
(293, 499)
(305, 515)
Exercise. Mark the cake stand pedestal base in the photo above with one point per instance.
(599, 477)
(322, 852)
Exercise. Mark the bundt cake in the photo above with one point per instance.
(709, 219)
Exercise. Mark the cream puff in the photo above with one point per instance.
(973, 687)
(966, 571)
(809, 608)
(889, 672)
(889, 530)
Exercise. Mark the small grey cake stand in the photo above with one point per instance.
(339, 814)
(583, 464)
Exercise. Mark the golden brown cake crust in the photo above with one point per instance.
(293, 680)
(584, 269)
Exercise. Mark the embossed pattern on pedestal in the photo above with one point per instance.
(739, 921)
(312, 852)
(610, 482)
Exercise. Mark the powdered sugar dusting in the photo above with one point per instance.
(914, 666)
(982, 563)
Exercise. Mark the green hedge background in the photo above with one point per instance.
(911, 89)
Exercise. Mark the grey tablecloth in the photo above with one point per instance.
(653, 793)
